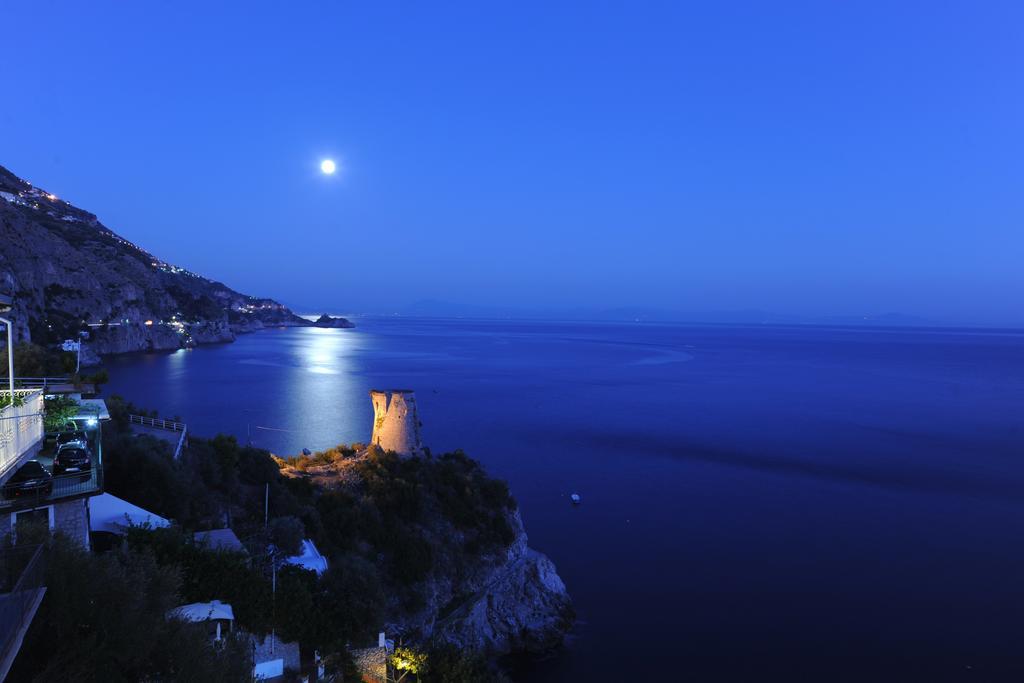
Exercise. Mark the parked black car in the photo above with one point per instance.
(30, 480)
(75, 437)
(72, 458)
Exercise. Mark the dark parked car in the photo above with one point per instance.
(30, 480)
(76, 437)
(72, 458)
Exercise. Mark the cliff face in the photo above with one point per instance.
(514, 602)
(69, 273)
(483, 589)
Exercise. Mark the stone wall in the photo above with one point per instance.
(372, 663)
(72, 518)
(396, 422)
(69, 517)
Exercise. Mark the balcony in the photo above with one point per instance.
(21, 428)
(64, 486)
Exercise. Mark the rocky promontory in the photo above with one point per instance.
(72, 277)
(512, 602)
(455, 563)
(329, 322)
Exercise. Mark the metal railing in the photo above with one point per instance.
(40, 382)
(23, 574)
(157, 423)
(169, 425)
(21, 427)
(62, 486)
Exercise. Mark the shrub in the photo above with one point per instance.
(58, 410)
(449, 664)
(108, 615)
(286, 533)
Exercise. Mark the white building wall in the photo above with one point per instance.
(21, 430)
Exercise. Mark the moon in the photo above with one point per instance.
(328, 166)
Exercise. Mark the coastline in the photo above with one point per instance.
(156, 338)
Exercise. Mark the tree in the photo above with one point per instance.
(58, 411)
(286, 533)
(108, 613)
(296, 609)
(351, 600)
(449, 664)
(32, 360)
(407, 661)
(207, 574)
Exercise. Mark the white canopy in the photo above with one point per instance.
(310, 558)
(112, 514)
(93, 407)
(204, 611)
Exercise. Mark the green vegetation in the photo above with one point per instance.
(286, 533)
(33, 360)
(195, 306)
(58, 410)
(398, 498)
(6, 399)
(444, 664)
(448, 664)
(104, 619)
(407, 661)
(383, 532)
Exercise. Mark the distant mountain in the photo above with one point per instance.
(68, 273)
(434, 308)
(753, 316)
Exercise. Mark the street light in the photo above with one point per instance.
(6, 303)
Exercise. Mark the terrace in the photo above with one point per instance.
(64, 486)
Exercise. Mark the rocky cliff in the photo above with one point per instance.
(511, 602)
(447, 543)
(327, 321)
(68, 273)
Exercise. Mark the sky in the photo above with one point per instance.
(806, 158)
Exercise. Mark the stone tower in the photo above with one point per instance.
(396, 424)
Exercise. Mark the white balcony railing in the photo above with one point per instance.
(21, 427)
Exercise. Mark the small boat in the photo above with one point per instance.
(575, 498)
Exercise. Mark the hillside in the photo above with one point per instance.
(446, 541)
(70, 273)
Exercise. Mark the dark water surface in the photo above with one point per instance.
(758, 503)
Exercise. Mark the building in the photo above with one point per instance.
(54, 502)
(272, 657)
(62, 501)
(396, 422)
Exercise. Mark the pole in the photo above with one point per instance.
(10, 355)
(266, 505)
(273, 606)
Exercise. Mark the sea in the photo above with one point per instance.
(757, 502)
